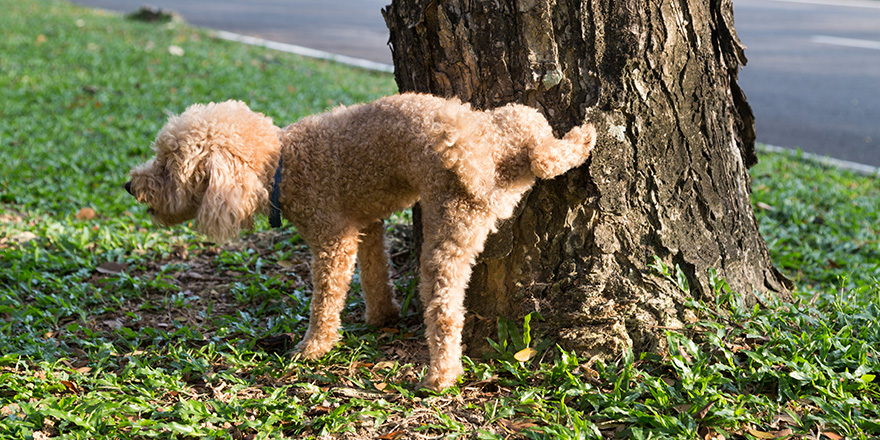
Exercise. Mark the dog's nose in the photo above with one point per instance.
(128, 187)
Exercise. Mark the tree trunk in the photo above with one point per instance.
(668, 177)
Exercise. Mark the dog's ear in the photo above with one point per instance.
(233, 195)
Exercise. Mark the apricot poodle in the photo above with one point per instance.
(341, 173)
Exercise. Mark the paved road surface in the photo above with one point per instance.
(813, 76)
(353, 28)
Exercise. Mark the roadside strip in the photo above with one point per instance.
(855, 167)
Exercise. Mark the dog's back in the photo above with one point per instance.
(379, 157)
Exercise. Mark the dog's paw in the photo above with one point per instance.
(439, 379)
(438, 384)
(312, 349)
(384, 316)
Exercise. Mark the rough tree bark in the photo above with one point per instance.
(668, 177)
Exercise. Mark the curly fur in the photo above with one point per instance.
(346, 170)
(212, 164)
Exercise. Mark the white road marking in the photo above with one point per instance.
(850, 3)
(848, 42)
(304, 51)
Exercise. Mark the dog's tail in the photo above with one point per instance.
(551, 157)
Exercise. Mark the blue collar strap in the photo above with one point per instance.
(274, 203)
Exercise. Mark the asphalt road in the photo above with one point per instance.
(353, 28)
(813, 77)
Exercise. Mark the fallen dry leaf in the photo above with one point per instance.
(111, 268)
(23, 237)
(760, 434)
(525, 354)
(784, 419)
(517, 426)
(706, 433)
(685, 355)
(86, 214)
(115, 324)
(783, 433)
(10, 409)
(393, 435)
(682, 408)
(70, 386)
(383, 365)
(318, 411)
(701, 414)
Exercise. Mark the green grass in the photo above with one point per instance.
(822, 225)
(172, 347)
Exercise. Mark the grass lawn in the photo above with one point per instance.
(113, 328)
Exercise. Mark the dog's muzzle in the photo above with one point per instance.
(128, 187)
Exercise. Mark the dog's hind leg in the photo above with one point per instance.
(373, 263)
(551, 157)
(333, 262)
(453, 239)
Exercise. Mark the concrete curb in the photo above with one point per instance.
(304, 51)
(857, 168)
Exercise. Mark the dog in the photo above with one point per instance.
(337, 175)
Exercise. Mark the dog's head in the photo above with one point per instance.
(212, 164)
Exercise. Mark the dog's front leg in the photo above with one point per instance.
(332, 266)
